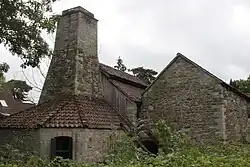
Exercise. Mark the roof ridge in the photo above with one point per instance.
(142, 82)
(78, 112)
(127, 95)
(53, 113)
(223, 83)
(38, 120)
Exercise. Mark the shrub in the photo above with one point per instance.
(175, 151)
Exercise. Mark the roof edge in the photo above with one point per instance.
(223, 83)
(160, 74)
(123, 92)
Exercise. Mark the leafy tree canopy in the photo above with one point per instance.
(147, 75)
(242, 85)
(4, 68)
(22, 22)
(120, 65)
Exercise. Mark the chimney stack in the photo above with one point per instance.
(74, 68)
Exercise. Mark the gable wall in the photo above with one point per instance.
(188, 99)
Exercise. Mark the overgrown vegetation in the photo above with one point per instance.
(242, 84)
(175, 150)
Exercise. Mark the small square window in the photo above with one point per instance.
(3, 103)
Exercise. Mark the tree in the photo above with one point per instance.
(232, 83)
(4, 68)
(241, 84)
(146, 75)
(120, 66)
(22, 23)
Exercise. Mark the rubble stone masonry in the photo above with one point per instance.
(74, 68)
(195, 102)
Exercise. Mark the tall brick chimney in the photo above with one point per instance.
(74, 68)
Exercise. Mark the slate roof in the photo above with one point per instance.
(132, 92)
(13, 105)
(66, 112)
(130, 85)
(117, 74)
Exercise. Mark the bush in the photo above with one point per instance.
(175, 151)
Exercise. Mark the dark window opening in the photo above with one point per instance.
(61, 146)
(151, 146)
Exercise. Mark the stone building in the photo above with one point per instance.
(85, 103)
(195, 101)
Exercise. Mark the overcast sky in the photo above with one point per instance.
(213, 33)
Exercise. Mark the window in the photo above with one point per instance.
(61, 146)
(3, 103)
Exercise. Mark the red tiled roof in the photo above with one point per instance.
(132, 92)
(67, 112)
(120, 74)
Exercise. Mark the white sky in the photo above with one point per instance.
(213, 33)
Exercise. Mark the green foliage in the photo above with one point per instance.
(146, 75)
(120, 66)
(175, 151)
(4, 68)
(22, 22)
(242, 85)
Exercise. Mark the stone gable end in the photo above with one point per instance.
(192, 100)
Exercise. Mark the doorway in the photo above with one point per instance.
(61, 146)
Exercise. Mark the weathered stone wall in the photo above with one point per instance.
(74, 68)
(195, 102)
(236, 115)
(132, 112)
(89, 145)
(188, 99)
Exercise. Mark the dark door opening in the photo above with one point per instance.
(61, 146)
(150, 146)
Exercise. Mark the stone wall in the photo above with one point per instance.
(132, 112)
(89, 145)
(236, 115)
(188, 99)
(74, 68)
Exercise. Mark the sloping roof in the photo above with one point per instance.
(224, 84)
(117, 74)
(66, 112)
(14, 106)
(132, 92)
